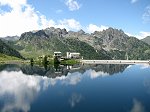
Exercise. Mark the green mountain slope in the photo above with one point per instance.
(87, 51)
(41, 44)
(107, 44)
(146, 40)
(7, 50)
(4, 58)
(137, 49)
(116, 40)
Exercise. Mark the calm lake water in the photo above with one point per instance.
(88, 88)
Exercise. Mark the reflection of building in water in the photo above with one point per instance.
(73, 55)
(57, 71)
(63, 70)
(70, 67)
(60, 70)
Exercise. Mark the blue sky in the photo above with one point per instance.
(18, 16)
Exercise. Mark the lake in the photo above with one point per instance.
(78, 88)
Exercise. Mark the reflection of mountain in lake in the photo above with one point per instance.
(49, 71)
(9, 67)
(80, 89)
(60, 70)
(106, 68)
(110, 68)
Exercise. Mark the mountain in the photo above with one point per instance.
(7, 50)
(116, 41)
(107, 44)
(146, 40)
(50, 40)
(10, 38)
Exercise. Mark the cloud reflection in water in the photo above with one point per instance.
(144, 66)
(74, 99)
(137, 106)
(24, 88)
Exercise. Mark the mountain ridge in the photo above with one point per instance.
(7, 50)
(146, 40)
(107, 44)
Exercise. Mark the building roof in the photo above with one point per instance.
(57, 52)
(74, 53)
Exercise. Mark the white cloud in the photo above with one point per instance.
(73, 5)
(91, 28)
(146, 15)
(141, 35)
(69, 24)
(46, 23)
(133, 1)
(13, 4)
(129, 34)
(22, 18)
(137, 106)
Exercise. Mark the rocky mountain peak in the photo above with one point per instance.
(81, 32)
(112, 38)
(55, 31)
(111, 32)
(113, 42)
(64, 31)
(146, 40)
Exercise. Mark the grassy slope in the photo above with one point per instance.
(7, 50)
(4, 57)
(35, 48)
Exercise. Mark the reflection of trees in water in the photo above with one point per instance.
(57, 70)
(31, 70)
(27, 69)
(45, 70)
(9, 67)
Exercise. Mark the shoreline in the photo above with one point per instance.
(115, 61)
(87, 62)
(15, 62)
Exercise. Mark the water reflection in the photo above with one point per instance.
(137, 106)
(109, 68)
(60, 70)
(147, 84)
(75, 99)
(23, 87)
